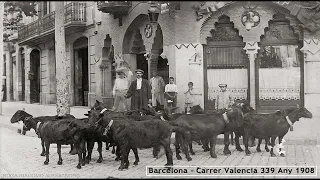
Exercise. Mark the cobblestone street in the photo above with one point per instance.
(20, 156)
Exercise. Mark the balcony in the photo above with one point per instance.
(114, 7)
(117, 8)
(43, 28)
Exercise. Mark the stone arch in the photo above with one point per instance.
(208, 22)
(137, 45)
(131, 32)
(134, 45)
(80, 71)
(158, 63)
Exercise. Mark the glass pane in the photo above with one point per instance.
(279, 73)
(283, 56)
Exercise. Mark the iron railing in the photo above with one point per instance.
(73, 13)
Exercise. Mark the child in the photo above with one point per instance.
(189, 98)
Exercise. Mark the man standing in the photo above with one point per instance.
(224, 98)
(157, 89)
(140, 92)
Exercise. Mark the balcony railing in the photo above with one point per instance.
(114, 7)
(73, 13)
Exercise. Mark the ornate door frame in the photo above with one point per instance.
(279, 32)
(223, 36)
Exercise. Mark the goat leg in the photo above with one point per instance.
(47, 145)
(258, 146)
(167, 149)
(238, 147)
(118, 153)
(43, 153)
(124, 160)
(156, 151)
(136, 155)
(73, 150)
(83, 147)
(205, 145)
(107, 146)
(90, 145)
(59, 153)
(100, 152)
(280, 141)
(213, 146)
(267, 143)
(273, 139)
(191, 149)
(232, 141)
(246, 139)
(79, 147)
(177, 145)
(226, 150)
(185, 140)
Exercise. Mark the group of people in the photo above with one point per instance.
(155, 93)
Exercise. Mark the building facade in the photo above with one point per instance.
(267, 52)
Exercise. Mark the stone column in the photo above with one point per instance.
(252, 50)
(104, 81)
(51, 77)
(152, 59)
(9, 75)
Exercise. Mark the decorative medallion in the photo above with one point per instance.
(148, 31)
(250, 19)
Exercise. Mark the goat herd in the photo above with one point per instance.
(153, 129)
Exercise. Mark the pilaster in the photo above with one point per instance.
(311, 50)
(9, 76)
(251, 49)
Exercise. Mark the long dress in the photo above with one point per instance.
(157, 90)
(119, 91)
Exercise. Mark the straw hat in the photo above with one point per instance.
(121, 69)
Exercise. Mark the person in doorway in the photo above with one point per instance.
(171, 91)
(189, 101)
(120, 89)
(157, 90)
(140, 92)
(224, 98)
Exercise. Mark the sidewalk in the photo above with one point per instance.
(306, 131)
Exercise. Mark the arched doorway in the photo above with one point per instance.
(34, 76)
(279, 67)
(81, 74)
(23, 81)
(225, 62)
(139, 49)
(163, 69)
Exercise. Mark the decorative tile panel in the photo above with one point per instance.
(279, 93)
(238, 93)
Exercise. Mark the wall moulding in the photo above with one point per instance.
(236, 10)
(311, 46)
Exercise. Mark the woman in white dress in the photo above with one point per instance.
(120, 89)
